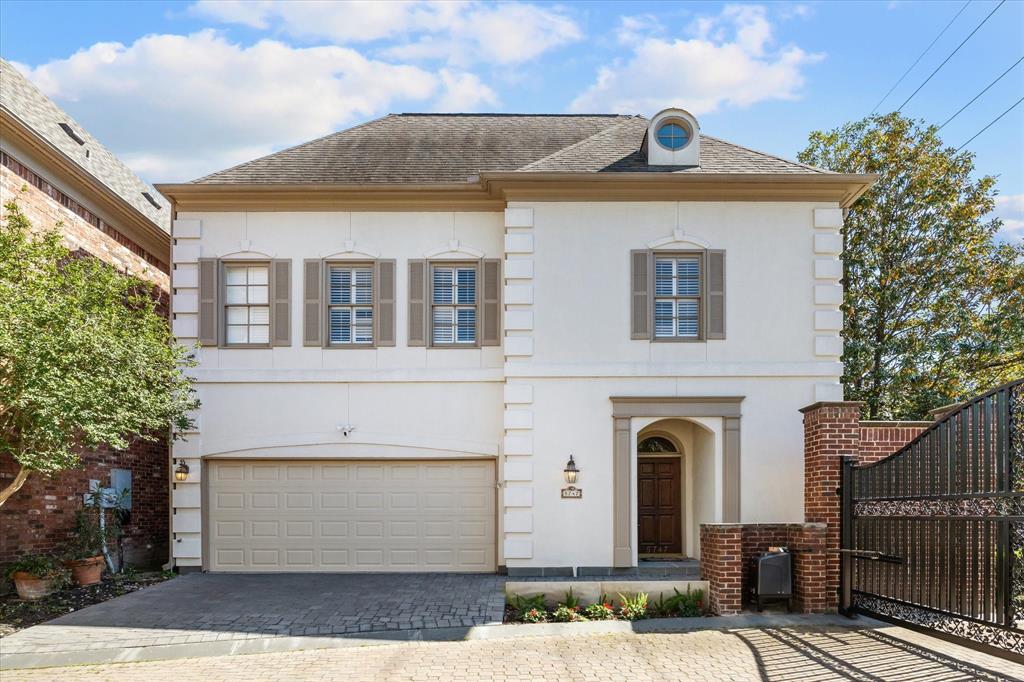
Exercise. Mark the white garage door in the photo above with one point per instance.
(332, 515)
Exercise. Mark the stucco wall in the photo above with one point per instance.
(566, 351)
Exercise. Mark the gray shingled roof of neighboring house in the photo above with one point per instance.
(441, 148)
(25, 102)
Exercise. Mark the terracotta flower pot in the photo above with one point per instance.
(31, 587)
(86, 571)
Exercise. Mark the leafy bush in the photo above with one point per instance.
(690, 604)
(534, 616)
(41, 566)
(602, 611)
(684, 605)
(571, 601)
(635, 608)
(567, 614)
(522, 604)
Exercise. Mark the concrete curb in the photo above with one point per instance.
(454, 634)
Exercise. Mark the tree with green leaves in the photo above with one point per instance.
(934, 302)
(86, 358)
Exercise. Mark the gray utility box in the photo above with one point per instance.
(771, 578)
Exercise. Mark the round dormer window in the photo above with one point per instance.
(673, 135)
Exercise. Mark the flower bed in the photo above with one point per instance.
(17, 614)
(535, 609)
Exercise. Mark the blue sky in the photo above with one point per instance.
(180, 89)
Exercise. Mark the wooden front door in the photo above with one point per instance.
(659, 487)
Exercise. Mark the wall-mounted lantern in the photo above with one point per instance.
(181, 472)
(571, 471)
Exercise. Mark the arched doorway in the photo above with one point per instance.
(660, 491)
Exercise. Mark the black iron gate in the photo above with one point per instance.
(933, 535)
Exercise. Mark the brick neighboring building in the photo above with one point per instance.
(60, 176)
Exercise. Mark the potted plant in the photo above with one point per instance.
(95, 531)
(84, 555)
(36, 576)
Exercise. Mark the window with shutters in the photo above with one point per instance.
(247, 304)
(678, 285)
(350, 304)
(454, 304)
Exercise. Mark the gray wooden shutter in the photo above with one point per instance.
(209, 286)
(384, 293)
(417, 302)
(490, 300)
(716, 295)
(312, 277)
(640, 294)
(281, 301)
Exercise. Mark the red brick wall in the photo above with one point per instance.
(833, 431)
(721, 564)
(40, 517)
(45, 213)
(880, 439)
(726, 554)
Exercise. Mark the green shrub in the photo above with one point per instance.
(534, 616)
(635, 608)
(602, 611)
(567, 614)
(521, 603)
(683, 604)
(571, 601)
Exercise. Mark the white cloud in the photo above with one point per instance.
(176, 107)
(730, 60)
(456, 32)
(463, 92)
(1010, 208)
(356, 21)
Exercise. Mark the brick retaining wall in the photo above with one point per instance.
(728, 548)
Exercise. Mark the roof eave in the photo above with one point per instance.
(86, 182)
(206, 196)
(842, 188)
(493, 188)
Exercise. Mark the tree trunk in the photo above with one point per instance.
(15, 485)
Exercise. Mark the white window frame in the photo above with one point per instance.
(328, 306)
(248, 305)
(455, 266)
(676, 297)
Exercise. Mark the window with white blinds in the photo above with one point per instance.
(677, 297)
(453, 312)
(349, 305)
(247, 304)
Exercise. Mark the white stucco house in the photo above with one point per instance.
(408, 328)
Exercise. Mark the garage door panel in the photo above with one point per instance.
(352, 516)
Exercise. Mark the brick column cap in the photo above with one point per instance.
(842, 403)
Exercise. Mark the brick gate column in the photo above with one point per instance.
(831, 431)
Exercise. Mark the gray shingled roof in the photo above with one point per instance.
(436, 148)
(26, 103)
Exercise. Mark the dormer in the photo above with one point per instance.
(673, 139)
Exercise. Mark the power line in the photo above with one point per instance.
(950, 56)
(994, 121)
(981, 93)
(921, 56)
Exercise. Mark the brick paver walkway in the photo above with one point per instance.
(217, 606)
(756, 654)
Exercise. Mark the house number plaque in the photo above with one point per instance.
(572, 493)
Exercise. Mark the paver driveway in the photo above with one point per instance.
(216, 607)
(807, 654)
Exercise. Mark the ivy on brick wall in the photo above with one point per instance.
(86, 358)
